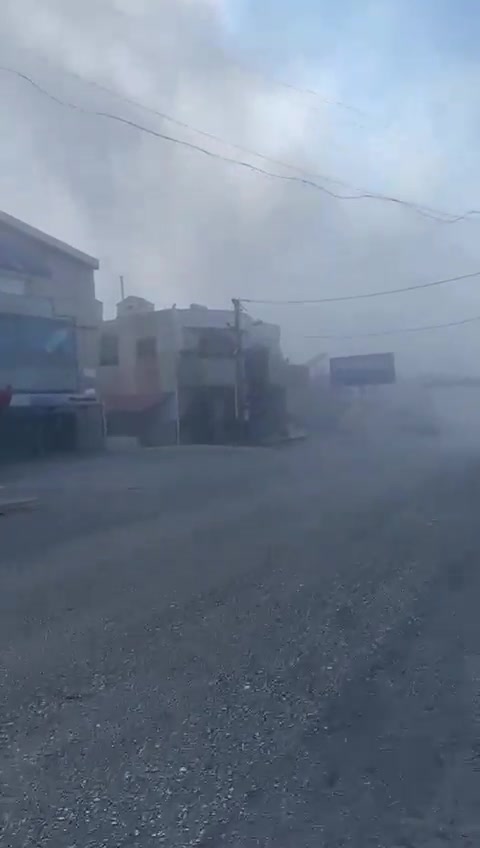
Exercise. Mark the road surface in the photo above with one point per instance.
(208, 647)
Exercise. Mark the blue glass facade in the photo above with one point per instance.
(37, 353)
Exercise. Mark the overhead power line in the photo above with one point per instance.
(401, 331)
(425, 211)
(248, 70)
(171, 119)
(298, 89)
(314, 175)
(255, 72)
(362, 295)
(360, 192)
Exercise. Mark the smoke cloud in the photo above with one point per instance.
(183, 226)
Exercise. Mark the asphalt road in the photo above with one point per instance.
(213, 647)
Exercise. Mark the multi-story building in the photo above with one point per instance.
(48, 311)
(170, 375)
(49, 324)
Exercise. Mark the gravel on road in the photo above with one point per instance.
(251, 647)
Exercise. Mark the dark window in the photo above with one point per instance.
(213, 342)
(146, 348)
(108, 349)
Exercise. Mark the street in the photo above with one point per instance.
(243, 647)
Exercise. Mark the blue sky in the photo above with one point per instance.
(410, 65)
(405, 39)
(315, 26)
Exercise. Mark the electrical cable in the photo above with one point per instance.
(401, 331)
(362, 295)
(425, 211)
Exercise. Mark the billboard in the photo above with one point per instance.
(371, 369)
(37, 354)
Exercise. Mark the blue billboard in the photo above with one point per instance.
(370, 369)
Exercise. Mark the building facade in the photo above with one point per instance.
(49, 325)
(171, 369)
(49, 314)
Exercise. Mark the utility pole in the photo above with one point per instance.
(239, 366)
(176, 355)
(122, 288)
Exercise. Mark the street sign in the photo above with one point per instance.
(371, 369)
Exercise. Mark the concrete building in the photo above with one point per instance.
(159, 369)
(45, 278)
(49, 325)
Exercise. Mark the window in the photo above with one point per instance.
(146, 348)
(28, 341)
(11, 285)
(108, 349)
(210, 342)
